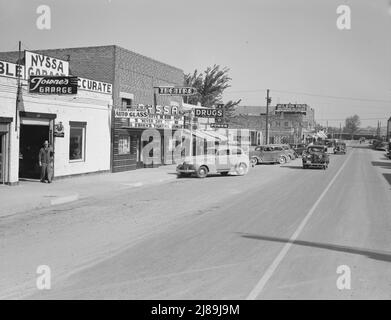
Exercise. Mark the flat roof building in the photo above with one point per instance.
(133, 78)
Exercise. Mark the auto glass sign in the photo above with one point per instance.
(120, 113)
(40, 65)
(53, 85)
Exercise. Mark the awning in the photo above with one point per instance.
(321, 135)
(205, 134)
(217, 135)
(189, 107)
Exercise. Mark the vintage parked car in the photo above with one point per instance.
(315, 156)
(382, 146)
(388, 154)
(340, 147)
(268, 154)
(298, 148)
(225, 160)
(288, 150)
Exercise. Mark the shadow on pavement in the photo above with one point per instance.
(293, 167)
(384, 165)
(214, 175)
(387, 176)
(377, 255)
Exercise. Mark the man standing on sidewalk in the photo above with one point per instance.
(45, 162)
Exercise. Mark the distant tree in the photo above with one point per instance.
(318, 127)
(352, 124)
(210, 86)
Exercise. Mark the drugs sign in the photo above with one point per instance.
(208, 113)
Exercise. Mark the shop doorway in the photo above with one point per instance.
(31, 140)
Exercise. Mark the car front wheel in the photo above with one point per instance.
(202, 172)
(254, 161)
(241, 169)
(281, 160)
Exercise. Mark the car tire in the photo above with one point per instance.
(241, 169)
(224, 173)
(254, 161)
(281, 160)
(202, 172)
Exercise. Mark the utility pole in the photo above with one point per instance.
(19, 89)
(268, 100)
(340, 131)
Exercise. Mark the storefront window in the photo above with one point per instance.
(77, 142)
(126, 103)
(124, 145)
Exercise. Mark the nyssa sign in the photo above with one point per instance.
(40, 65)
(53, 85)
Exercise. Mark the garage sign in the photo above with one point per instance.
(53, 85)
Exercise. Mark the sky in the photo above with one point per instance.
(292, 47)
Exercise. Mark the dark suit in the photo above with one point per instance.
(45, 160)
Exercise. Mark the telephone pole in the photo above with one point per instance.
(340, 131)
(268, 100)
(19, 88)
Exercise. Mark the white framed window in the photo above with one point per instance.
(77, 141)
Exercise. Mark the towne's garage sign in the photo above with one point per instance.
(53, 85)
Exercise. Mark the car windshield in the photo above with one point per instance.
(223, 152)
(316, 149)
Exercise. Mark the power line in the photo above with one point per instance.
(315, 95)
(336, 97)
(324, 119)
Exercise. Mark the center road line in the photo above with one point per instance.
(272, 268)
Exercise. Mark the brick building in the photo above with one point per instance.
(133, 77)
(288, 123)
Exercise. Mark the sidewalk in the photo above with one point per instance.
(30, 195)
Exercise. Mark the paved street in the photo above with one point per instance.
(279, 232)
